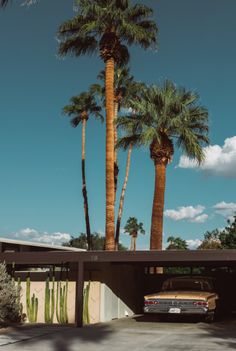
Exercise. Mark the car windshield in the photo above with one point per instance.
(192, 284)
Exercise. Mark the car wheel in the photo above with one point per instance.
(210, 317)
(163, 318)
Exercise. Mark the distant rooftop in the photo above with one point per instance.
(21, 245)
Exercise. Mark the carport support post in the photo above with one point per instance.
(79, 298)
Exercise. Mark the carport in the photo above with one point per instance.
(123, 271)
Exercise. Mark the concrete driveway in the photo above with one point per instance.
(132, 334)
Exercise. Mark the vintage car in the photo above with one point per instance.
(184, 295)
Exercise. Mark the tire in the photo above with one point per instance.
(210, 317)
(163, 318)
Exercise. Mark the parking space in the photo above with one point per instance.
(137, 333)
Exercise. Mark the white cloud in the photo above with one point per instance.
(33, 235)
(188, 213)
(225, 209)
(219, 160)
(200, 219)
(193, 244)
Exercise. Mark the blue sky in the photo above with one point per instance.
(40, 178)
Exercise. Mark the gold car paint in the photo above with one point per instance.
(209, 297)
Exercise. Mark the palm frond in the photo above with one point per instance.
(125, 141)
(78, 46)
(122, 4)
(3, 3)
(123, 57)
(82, 106)
(166, 112)
(131, 24)
(76, 121)
(189, 142)
(138, 12)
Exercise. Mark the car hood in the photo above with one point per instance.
(203, 295)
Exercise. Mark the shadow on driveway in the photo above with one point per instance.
(223, 332)
(145, 330)
(55, 338)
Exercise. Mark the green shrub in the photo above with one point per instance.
(9, 298)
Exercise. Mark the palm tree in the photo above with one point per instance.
(166, 116)
(123, 83)
(125, 90)
(132, 227)
(133, 91)
(105, 26)
(122, 197)
(176, 243)
(81, 107)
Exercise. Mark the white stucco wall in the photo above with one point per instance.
(112, 306)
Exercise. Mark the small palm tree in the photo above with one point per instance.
(106, 27)
(166, 116)
(176, 243)
(132, 227)
(81, 107)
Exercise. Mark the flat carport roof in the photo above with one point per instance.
(142, 258)
(155, 257)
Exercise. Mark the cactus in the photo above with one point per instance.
(65, 309)
(61, 303)
(18, 299)
(49, 300)
(31, 304)
(13, 271)
(86, 319)
(61, 300)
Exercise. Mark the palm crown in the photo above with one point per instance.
(123, 82)
(165, 115)
(105, 25)
(132, 226)
(81, 107)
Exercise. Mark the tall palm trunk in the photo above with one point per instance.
(110, 191)
(116, 168)
(158, 206)
(84, 188)
(122, 197)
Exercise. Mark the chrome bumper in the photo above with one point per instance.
(183, 310)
